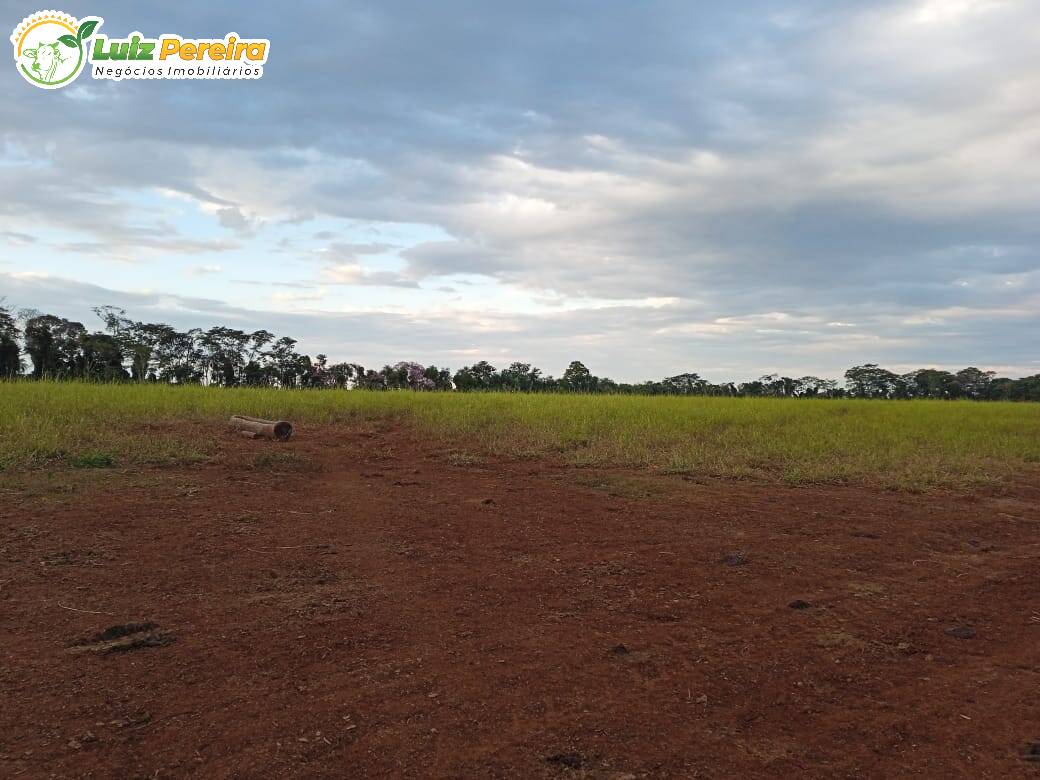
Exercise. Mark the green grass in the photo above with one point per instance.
(916, 444)
(92, 460)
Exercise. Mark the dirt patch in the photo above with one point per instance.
(568, 760)
(74, 558)
(735, 559)
(356, 602)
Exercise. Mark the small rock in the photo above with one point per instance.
(74, 744)
(1032, 752)
(961, 632)
(619, 650)
(702, 699)
(800, 604)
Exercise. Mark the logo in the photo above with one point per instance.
(50, 47)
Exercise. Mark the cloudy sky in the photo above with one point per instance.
(650, 187)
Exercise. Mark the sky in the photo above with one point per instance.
(649, 187)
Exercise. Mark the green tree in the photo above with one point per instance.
(577, 378)
(440, 377)
(521, 377)
(10, 354)
(223, 355)
(479, 376)
(974, 383)
(54, 346)
(929, 383)
(870, 381)
(102, 357)
(683, 384)
(256, 370)
(288, 367)
(814, 387)
(347, 374)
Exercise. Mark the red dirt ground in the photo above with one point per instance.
(352, 604)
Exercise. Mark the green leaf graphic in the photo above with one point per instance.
(69, 41)
(86, 29)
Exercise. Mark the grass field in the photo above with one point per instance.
(913, 445)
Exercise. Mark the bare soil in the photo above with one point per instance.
(362, 603)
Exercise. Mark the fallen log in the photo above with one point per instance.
(254, 427)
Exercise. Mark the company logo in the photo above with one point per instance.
(52, 48)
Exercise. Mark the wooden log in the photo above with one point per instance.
(269, 429)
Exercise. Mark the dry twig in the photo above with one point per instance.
(87, 611)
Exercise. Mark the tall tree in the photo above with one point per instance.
(53, 344)
(223, 352)
(974, 383)
(928, 383)
(347, 374)
(440, 377)
(870, 381)
(479, 376)
(778, 386)
(257, 370)
(102, 357)
(521, 377)
(814, 387)
(578, 378)
(288, 366)
(10, 354)
(684, 384)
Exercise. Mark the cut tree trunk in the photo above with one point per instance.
(254, 427)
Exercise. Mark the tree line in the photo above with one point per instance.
(47, 346)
